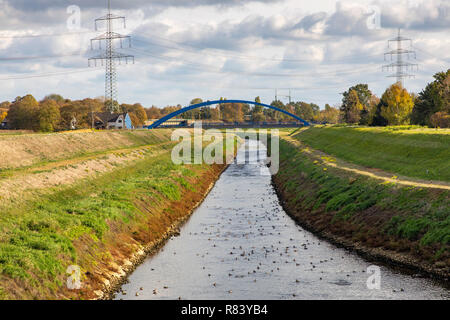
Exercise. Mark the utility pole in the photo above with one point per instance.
(400, 66)
(110, 56)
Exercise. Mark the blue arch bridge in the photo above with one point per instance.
(297, 121)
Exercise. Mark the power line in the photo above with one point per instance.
(41, 57)
(48, 74)
(195, 51)
(218, 52)
(44, 35)
(207, 68)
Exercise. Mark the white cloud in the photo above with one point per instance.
(187, 49)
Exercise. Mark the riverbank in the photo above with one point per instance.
(103, 222)
(403, 225)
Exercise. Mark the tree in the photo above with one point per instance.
(196, 101)
(440, 120)
(3, 115)
(5, 105)
(363, 92)
(396, 105)
(57, 98)
(328, 115)
(369, 111)
(231, 112)
(364, 97)
(276, 115)
(351, 108)
(433, 99)
(82, 111)
(23, 113)
(137, 113)
(306, 111)
(48, 116)
(153, 113)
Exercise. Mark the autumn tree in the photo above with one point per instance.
(80, 110)
(23, 112)
(169, 109)
(3, 115)
(396, 105)
(351, 108)
(137, 113)
(363, 92)
(153, 113)
(49, 116)
(231, 112)
(433, 99)
(5, 105)
(57, 98)
(365, 97)
(328, 115)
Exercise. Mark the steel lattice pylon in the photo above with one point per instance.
(110, 56)
(401, 67)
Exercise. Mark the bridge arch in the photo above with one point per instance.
(204, 104)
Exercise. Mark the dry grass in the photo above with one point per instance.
(29, 149)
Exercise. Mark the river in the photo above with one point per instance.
(240, 244)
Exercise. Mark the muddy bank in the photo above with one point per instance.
(106, 280)
(401, 261)
(112, 285)
(304, 190)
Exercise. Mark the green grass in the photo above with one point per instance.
(38, 237)
(407, 151)
(420, 215)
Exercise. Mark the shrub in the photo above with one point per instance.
(440, 120)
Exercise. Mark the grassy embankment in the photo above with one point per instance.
(413, 152)
(409, 225)
(99, 223)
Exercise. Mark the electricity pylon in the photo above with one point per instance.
(400, 66)
(110, 55)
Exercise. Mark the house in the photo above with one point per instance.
(108, 120)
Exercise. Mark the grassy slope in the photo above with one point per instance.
(20, 151)
(92, 224)
(409, 220)
(421, 154)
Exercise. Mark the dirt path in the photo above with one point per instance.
(379, 174)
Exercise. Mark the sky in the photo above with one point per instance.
(186, 49)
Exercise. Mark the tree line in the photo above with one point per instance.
(54, 113)
(431, 107)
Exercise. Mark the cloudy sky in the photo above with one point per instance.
(219, 48)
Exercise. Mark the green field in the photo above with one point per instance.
(410, 220)
(92, 222)
(409, 151)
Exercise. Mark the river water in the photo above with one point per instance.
(240, 244)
